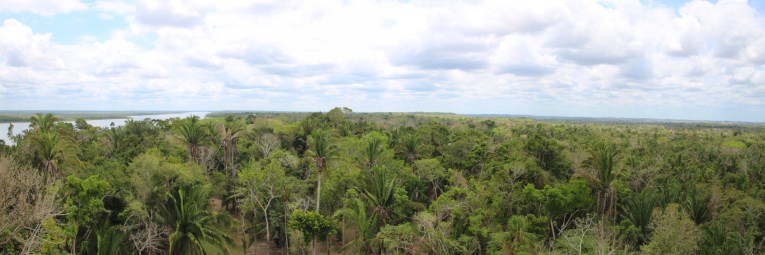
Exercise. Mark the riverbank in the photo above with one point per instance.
(96, 120)
(23, 116)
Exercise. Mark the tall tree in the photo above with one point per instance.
(267, 143)
(321, 150)
(601, 178)
(366, 226)
(228, 134)
(674, 232)
(52, 149)
(373, 151)
(412, 144)
(379, 192)
(260, 187)
(115, 138)
(191, 132)
(42, 123)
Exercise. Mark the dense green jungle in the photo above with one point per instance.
(342, 182)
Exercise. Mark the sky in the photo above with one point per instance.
(667, 59)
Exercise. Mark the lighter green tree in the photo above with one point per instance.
(673, 232)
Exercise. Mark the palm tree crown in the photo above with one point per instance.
(42, 123)
(602, 178)
(52, 149)
(373, 151)
(191, 222)
(191, 132)
(228, 134)
(321, 150)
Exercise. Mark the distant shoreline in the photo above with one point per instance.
(23, 116)
(10, 116)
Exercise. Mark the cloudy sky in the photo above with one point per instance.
(673, 59)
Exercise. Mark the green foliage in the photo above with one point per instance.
(110, 241)
(518, 239)
(42, 123)
(85, 204)
(154, 176)
(374, 149)
(52, 150)
(637, 209)
(193, 134)
(192, 225)
(602, 177)
(734, 144)
(718, 239)
(697, 205)
(548, 154)
(402, 183)
(54, 240)
(365, 225)
(379, 192)
(312, 224)
(673, 232)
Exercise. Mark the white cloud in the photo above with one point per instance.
(389, 55)
(42, 7)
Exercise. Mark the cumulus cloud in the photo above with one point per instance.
(42, 7)
(463, 56)
(173, 13)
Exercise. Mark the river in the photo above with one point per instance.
(19, 127)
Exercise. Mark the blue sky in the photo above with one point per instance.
(671, 59)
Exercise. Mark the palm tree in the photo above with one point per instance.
(192, 224)
(638, 208)
(51, 149)
(42, 123)
(393, 137)
(412, 146)
(109, 240)
(601, 179)
(115, 138)
(321, 151)
(228, 135)
(373, 151)
(193, 134)
(698, 205)
(365, 226)
(379, 191)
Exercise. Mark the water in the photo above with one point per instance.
(19, 127)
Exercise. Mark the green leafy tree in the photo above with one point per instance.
(85, 206)
(313, 226)
(547, 153)
(518, 239)
(673, 232)
(261, 187)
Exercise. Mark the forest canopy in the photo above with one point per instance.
(382, 183)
